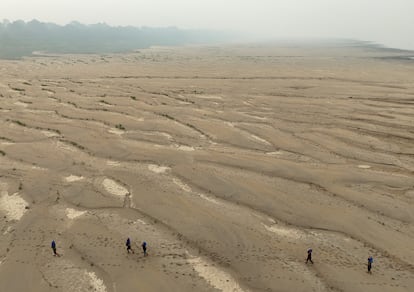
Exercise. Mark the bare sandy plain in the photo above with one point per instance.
(229, 162)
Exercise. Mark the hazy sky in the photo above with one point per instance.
(390, 22)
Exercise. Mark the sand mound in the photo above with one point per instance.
(256, 138)
(284, 231)
(73, 178)
(13, 206)
(116, 131)
(50, 134)
(65, 146)
(19, 103)
(73, 214)
(185, 148)
(140, 221)
(215, 276)
(209, 199)
(113, 163)
(35, 167)
(114, 188)
(158, 168)
(6, 143)
(275, 153)
(207, 96)
(182, 185)
(363, 166)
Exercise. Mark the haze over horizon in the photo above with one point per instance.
(390, 24)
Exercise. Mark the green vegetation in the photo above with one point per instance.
(168, 116)
(19, 123)
(74, 144)
(18, 89)
(5, 138)
(21, 38)
(2, 153)
(72, 103)
(120, 126)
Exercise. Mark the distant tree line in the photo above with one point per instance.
(19, 38)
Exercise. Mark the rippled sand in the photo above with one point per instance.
(229, 162)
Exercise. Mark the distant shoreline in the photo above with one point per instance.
(32, 39)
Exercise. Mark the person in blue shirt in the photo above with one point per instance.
(370, 261)
(309, 258)
(128, 245)
(144, 248)
(53, 246)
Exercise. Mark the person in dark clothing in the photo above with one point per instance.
(128, 245)
(144, 248)
(309, 258)
(53, 246)
(370, 261)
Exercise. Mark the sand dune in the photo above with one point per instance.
(229, 167)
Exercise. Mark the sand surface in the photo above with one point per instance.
(230, 162)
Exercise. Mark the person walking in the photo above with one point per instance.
(370, 261)
(144, 248)
(128, 245)
(309, 258)
(53, 246)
